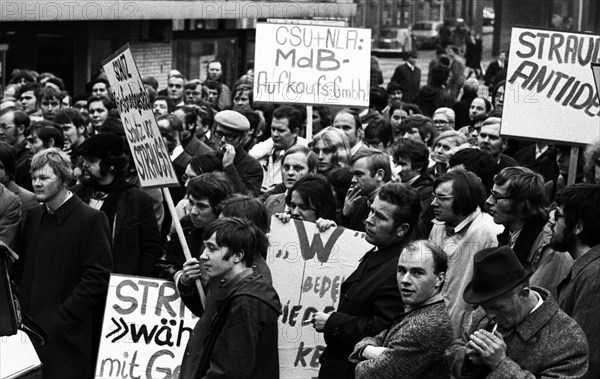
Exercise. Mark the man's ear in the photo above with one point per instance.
(402, 230)
(578, 227)
(21, 130)
(380, 174)
(295, 132)
(51, 142)
(238, 256)
(440, 279)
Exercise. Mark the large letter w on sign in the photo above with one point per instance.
(316, 247)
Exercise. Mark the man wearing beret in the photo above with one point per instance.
(243, 171)
(135, 236)
(517, 331)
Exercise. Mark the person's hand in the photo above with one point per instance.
(191, 272)
(473, 355)
(283, 217)
(319, 321)
(490, 347)
(352, 196)
(323, 224)
(372, 352)
(228, 154)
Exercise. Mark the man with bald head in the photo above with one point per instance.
(490, 142)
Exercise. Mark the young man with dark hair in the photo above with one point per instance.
(205, 193)
(98, 108)
(237, 335)
(43, 135)
(576, 230)
(371, 169)
(462, 229)
(517, 202)
(50, 102)
(28, 96)
(214, 72)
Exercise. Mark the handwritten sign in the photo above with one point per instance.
(150, 155)
(308, 269)
(145, 329)
(312, 64)
(550, 92)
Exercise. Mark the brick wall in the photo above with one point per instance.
(153, 59)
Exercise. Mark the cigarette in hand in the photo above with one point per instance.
(495, 327)
(306, 322)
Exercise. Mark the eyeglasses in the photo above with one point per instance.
(495, 196)
(441, 197)
(228, 137)
(5, 126)
(440, 122)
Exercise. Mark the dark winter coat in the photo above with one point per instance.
(136, 242)
(63, 271)
(237, 335)
(431, 98)
(369, 302)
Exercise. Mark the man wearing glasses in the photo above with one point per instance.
(243, 171)
(517, 202)
(443, 119)
(462, 229)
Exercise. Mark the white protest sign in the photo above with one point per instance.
(596, 72)
(150, 155)
(550, 92)
(308, 269)
(312, 64)
(145, 329)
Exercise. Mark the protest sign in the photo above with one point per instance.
(150, 155)
(145, 329)
(596, 72)
(312, 64)
(550, 93)
(308, 269)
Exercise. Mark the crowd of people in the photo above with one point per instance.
(485, 262)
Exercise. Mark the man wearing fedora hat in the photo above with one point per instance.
(517, 331)
(244, 172)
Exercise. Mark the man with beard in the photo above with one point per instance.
(369, 297)
(576, 229)
(13, 124)
(135, 235)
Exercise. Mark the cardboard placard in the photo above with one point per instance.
(308, 269)
(550, 92)
(145, 329)
(312, 64)
(150, 155)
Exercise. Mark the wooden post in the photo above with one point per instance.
(184, 245)
(309, 122)
(573, 165)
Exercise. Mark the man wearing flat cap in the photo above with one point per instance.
(243, 171)
(136, 243)
(517, 331)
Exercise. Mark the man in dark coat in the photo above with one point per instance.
(15, 123)
(575, 230)
(408, 76)
(434, 95)
(237, 335)
(541, 158)
(369, 297)
(64, 267)
(243, 171)
(136, 243)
